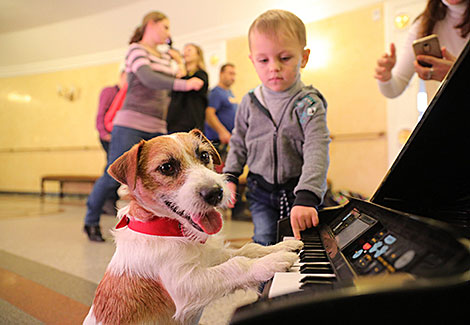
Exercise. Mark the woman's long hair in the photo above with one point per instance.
(200, 54)
(139, 31)
(436, 11)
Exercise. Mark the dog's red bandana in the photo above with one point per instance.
(157, 226)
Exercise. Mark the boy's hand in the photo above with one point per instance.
(233, 196)
(301, 218)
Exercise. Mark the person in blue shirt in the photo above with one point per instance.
(220, 114)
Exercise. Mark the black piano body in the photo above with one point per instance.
(402, 257)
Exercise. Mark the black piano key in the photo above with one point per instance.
(311, 240)
(317, 250)
(307, 259)
(319, 255)
(318, 286)
(311, 281)
(307, 269)
(312, 251)
(304, 256)
(320, 279)
(310, 233)
(315, 271)
(312, 246)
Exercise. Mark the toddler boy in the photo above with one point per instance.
(280, 131)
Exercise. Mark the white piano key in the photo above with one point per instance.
(299, 264)
(284, 283)
(290, 281)
(288, 238)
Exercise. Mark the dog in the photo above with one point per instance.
(168, 265)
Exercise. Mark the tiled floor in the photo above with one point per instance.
(49, 270)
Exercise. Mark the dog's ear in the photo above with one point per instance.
(124, 169)
(215, 155)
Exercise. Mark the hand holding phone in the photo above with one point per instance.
(428, 45)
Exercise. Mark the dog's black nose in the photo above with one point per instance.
(212, 195)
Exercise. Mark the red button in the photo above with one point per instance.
(366, 246)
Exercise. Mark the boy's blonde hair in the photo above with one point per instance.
(276, 21)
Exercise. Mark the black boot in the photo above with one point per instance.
(94, 233)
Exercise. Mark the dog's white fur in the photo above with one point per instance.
(193, 270)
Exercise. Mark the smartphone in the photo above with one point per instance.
(428, 45)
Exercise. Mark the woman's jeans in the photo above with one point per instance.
(265, 211)
(122, 139)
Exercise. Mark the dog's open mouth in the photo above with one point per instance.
(209, 222)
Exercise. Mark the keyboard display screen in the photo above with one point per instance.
(351, 226)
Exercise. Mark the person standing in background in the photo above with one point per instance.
(106, 98)
(220, 114)
(450, 20)
(150, 76)
(187, 109)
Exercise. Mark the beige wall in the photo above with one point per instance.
(356, 109)
(50, 134)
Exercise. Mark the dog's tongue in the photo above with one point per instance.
(210, 222)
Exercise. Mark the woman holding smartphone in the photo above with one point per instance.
(450, 20)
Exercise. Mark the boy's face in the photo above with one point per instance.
(277, 61)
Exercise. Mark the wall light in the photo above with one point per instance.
(69, 93)
(15, 97)
(319, 53)
(214, 59)
(402, 20)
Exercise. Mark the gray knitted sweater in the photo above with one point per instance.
(283, 136)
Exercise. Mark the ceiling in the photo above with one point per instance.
(16, 15)
(49, 35)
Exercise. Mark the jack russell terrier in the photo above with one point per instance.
(167, 267)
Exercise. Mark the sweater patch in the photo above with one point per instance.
(307, 105)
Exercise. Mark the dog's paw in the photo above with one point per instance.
(288, 246)
(264, 268)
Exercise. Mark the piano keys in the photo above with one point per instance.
(313, 269)
(356, 244)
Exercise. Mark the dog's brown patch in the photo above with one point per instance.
(163, 150)
(215, 155)
(124, 168)
(129, 299)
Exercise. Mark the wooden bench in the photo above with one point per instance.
(62, 179)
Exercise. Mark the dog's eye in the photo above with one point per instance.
(167, 169)
(205, 157)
